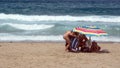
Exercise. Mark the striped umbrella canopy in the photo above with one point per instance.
(90, 31)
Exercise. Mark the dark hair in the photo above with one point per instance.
(76, 33)
(71, 30)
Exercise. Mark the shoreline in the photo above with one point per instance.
(45, 42)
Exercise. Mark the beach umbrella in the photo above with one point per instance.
(90, 31)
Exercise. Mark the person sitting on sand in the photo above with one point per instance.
(82, 42)
(67, 36)
(95, 47)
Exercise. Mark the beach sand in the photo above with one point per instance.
(52, 55)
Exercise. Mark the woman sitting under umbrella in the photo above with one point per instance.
(68, 36)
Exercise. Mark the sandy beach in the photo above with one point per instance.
(52, 55)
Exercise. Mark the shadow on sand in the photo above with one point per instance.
(101, 51)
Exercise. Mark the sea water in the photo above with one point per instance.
(48, 20)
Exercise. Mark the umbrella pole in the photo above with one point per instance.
(90, 38)
(90, 42)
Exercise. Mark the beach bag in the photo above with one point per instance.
(74, 44)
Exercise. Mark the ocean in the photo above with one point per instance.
(48, 20)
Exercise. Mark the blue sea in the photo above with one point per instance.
(48, 20)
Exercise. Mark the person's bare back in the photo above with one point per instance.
(67, 36)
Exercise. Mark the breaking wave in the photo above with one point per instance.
(92, 18)
(27, 26)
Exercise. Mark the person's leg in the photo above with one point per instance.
(67, 43)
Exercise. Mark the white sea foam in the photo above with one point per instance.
(106, 39)
(51, 38)
(92, 18)
(31, 38)
(29, 26)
